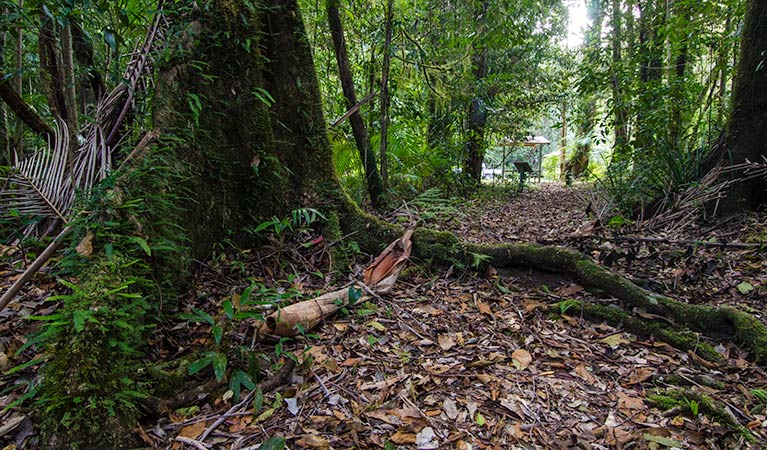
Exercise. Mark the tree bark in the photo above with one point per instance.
(747, 128)
(620, 111)
(477, 114)
(5, 148)
(361, 139)
(70, 90)
(385, 93)
(563, 144)
(51, 76)
(83, 50)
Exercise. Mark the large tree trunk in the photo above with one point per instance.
(367, 156)
(747, 127)
(246, 156)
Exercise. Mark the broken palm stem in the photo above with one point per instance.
(34, 267)
(352, 110)
(379, 278)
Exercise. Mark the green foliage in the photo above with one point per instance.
(95, 340)
(477, 259)
(433, 206)
(298, 220)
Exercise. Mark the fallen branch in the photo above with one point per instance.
(23, 111)
(657, 240)
(265, 386)
(380, 277)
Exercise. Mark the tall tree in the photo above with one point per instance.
(587, 99)
(618, 81)
(747, 127)
(367, 156)
(477, 113)
(385, 99)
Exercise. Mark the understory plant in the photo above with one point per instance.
(118, 272)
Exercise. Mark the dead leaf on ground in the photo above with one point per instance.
(484, 308)
(85, 247)
(446, 342)
(521, 358)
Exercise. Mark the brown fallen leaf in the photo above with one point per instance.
(521, 358)
(583, 373)
(402, 438)
(312, 440)
(628, 404)
(639, 375)
(484, 308)
(192, 431)
(446, 342)
(85, 247)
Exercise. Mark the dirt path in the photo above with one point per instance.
(543, 212)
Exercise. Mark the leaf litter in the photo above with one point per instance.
(453, 360)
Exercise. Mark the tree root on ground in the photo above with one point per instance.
(158, 407)
(680, 337)
(685, 401)
(721, 323)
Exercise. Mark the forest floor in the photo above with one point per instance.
(455, 359)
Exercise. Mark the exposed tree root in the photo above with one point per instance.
(721, 323)
(685, 401)
(679, 337)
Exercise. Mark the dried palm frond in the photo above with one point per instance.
(41, 185)
(45, 184)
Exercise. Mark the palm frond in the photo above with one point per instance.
(41, 185)
(45, 184)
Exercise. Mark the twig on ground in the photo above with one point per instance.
(265, 386)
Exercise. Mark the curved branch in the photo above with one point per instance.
(23, 111)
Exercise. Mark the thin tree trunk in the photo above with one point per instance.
(385, 94)
(563, 144)
(5, 148)
(70, 97)
(373, 181)
(19, 51)
(51, 77)
(475, 144)
(19, 80)
(578, 163)
(620, 113)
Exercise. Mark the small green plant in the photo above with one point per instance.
(693, 405)
(298, 219)
(619, 221)
(566, 305)
(477, 259)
